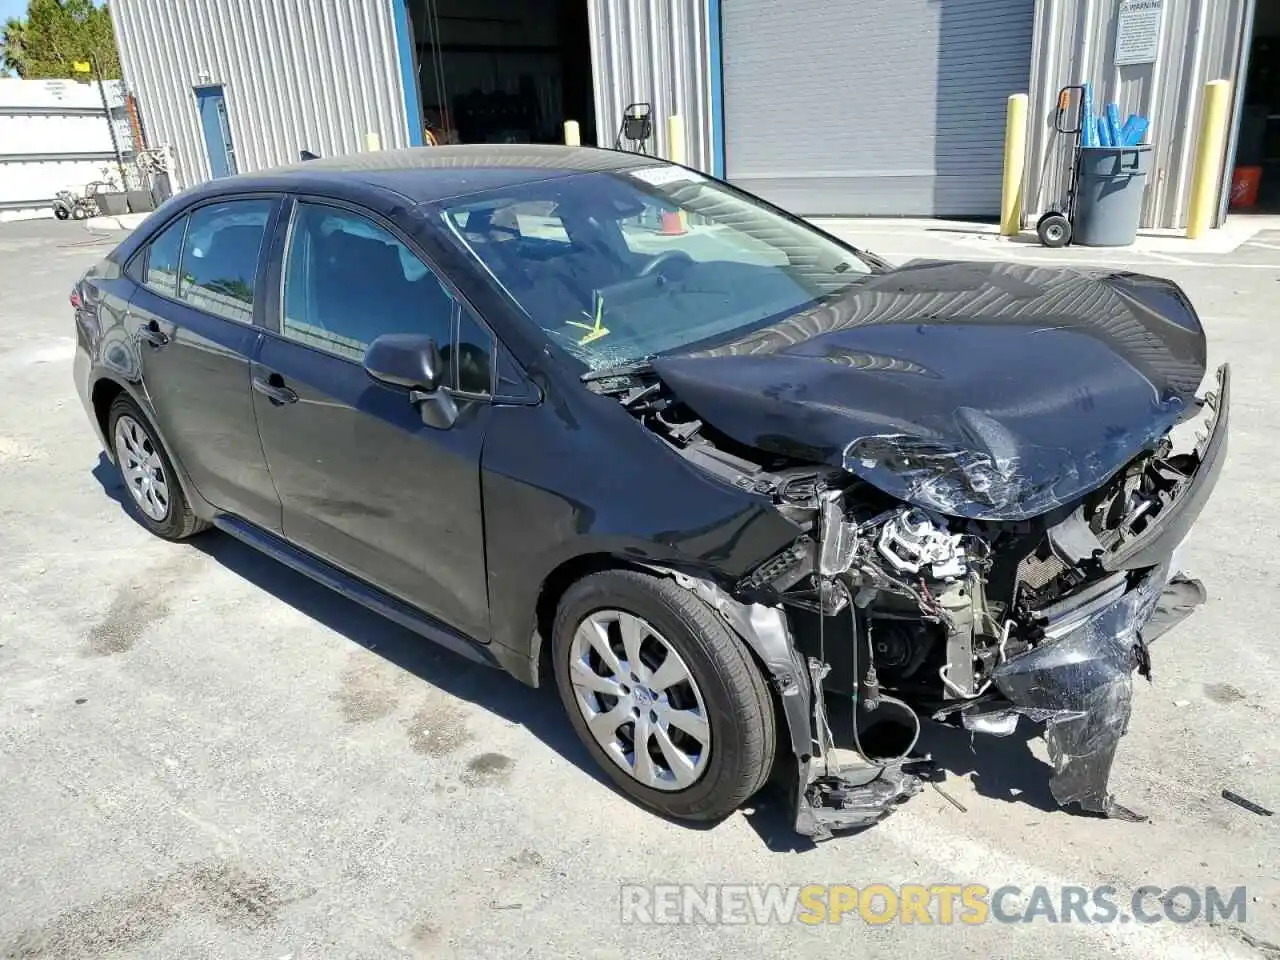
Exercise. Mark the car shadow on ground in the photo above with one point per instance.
(1000, 768)
(537, 710)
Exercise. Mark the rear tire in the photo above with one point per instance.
(721, 694)
(79, 213)
(150, 481)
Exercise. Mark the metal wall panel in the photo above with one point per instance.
(881, 107)
(656, 52)
(53, 136)
(297, 74)
(1075, 41)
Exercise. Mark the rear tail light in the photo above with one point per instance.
(75, 299)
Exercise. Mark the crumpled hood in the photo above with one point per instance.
(991, 391)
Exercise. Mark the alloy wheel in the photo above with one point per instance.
(142, 468)
(640, 700)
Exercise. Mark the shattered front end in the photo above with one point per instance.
(889, 608)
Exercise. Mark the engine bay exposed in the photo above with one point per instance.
(898, 611)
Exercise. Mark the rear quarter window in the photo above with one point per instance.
(220, 257)
(158, 260)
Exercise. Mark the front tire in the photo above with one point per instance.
(640, 660)
(151, 484)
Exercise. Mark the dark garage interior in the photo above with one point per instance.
(503, 71)
(1255, 179)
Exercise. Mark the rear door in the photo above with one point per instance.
(364, 483)
(199, 291)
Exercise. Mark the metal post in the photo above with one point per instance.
(106, 111)
(1210, 147)
(675, 223)
(675, 139)
(1015, 159)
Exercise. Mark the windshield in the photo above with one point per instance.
(622, 266)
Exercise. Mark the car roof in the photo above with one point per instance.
(428, 174)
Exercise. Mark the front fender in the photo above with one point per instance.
(553, 495)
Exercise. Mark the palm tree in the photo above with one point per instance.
(13, 52)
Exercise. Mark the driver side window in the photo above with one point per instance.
(347, 281)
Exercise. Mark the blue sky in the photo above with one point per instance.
(18, 8)
(12, 8)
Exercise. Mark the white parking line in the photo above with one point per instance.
(1171, 259)
(1265, 246)
(1130, 261)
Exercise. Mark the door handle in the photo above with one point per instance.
(153, 334)
(273, 389)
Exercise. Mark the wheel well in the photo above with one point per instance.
(104, 394)
(554, 588)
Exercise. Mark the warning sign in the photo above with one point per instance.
(1138, 31)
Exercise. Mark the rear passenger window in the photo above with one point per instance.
(220, 257)
(348, 281)
(161, 273)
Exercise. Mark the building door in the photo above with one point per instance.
(212, 106)
(879, 107)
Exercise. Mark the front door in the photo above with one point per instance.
(212, 106)
(364, 483)
(193, 317)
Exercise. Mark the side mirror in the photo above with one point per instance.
(406, 360)
(413, 362)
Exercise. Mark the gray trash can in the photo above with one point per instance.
(1109, 198)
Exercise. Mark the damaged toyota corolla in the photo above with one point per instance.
(716, 472)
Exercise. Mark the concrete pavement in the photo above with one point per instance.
(204, 755)
(110, 224)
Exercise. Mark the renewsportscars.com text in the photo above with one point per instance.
(881, 903)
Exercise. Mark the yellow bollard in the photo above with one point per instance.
(675, 138)
(676, 154)
(1210, 149)
(1015, 159)
(572, 134)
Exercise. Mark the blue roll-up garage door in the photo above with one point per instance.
(872, 107)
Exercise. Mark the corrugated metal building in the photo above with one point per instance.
(1194, 41)
(880, 107)
(245, 84)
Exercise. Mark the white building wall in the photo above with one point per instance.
(53, 136)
